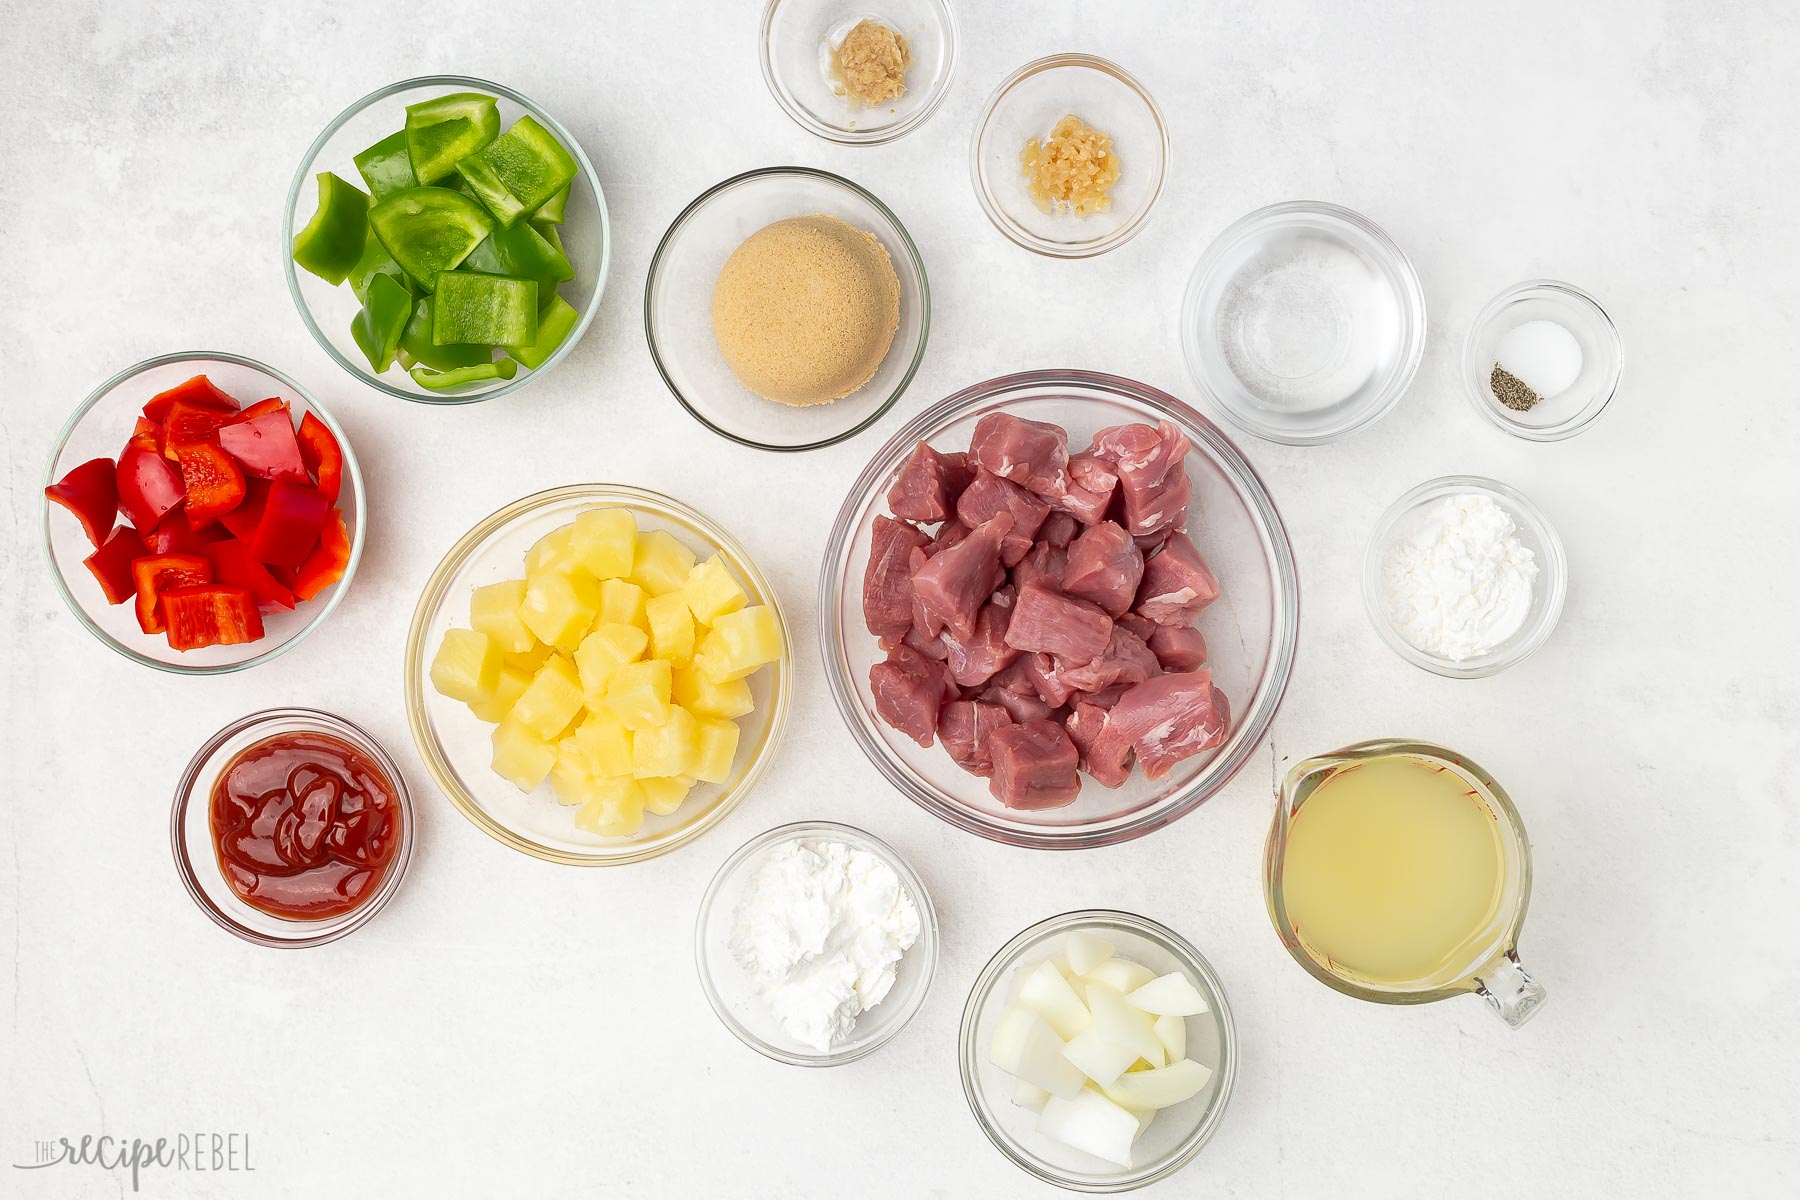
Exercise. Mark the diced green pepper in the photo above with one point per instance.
(428, 230)
(375, 261)
(553, 210)
(518, 172)
(439, 381)
(550, 234)
(555, 323)
(386, 167)
(378, 325)
(416, 345)
(523, 253)
(486, 309)
(333, 240)
(448, 128)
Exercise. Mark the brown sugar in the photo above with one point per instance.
(1073, 169)
(870, 64)
(805, 309)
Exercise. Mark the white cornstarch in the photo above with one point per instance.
(820, 929)
(1461, 582)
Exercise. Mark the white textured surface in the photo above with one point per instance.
(510, 1027)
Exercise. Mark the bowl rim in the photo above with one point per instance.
(304, 172)
(325, 722)
(1006, 958)
(352, 472)
(1285, 601)
(1016, 233)
(798, 113)
(431, 752)
(1474, 380)
(654, 273)
(1411, 293)
(929, 936)
(1553, 576)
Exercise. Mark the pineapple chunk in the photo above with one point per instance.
(615, 810)
(513, 682)
(602, 653)
(467, 666)
(520, 756)
(671, 628)
(622, 603)
(664, 796)
(672, 748)
(739, 643)
(559, 608)
(601, 745)
(711, 592)
(551, 701)
(572, 785)
(606, 542)
(554, 553)
(700, 696)
(639, 694)
(661, 564)
(718, 742)
(494, 610)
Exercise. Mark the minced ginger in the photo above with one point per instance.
(1074, 168)
(871, 63)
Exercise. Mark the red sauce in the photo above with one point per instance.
(305, 825)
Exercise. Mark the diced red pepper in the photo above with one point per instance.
(111, 564)
(173, 535)
(272, 404)
(149, 486)
(291, 520)
(91, 493)
(232, 563)
(265, 445)
(242, 521)
(213, 482)
(198, 390)
(322, 456)
(192, 425)
(155, 574)
(148, 434)
(211, 615)
(325, 565)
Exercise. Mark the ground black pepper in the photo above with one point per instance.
(1512, 391)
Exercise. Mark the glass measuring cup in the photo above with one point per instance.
(1487, 963)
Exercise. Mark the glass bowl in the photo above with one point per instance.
(1032, 100)
(99, 427)
(1176, 1135)
(457, 747)
(728, 987)
(1251, 629)
(1534, 532)
(678, 308)
(327, 310)
(795, 47)
(1602, 359)
(190, 831)
(1302, 322)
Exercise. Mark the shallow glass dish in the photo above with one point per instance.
(1534, 532)
(678, 299)
(728, 987)
(1176, 1135)
(1303, 322)
(1251, 630)
(1602, 359)
(99, 427)
(795, 49)
(1027, 105)
(197, 860)
(328, 311)
(458, 748)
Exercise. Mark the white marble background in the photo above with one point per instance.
(508, 1027)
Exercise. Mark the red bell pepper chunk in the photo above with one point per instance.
(111, 564)
(211, 615)
(292, 517)
(198, 390)
(232, 563)
(214, 484)
(265, 445)
(155, 574)
(91, 493)
(322, 456)
(325, 565)
(272, 404)
(149, 486)
(173, 535)
(148, 434)
(241, 522)
(192, 425)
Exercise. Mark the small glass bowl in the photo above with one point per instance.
(795, 48)
(1251, 630)
(1296, 355)
(458, 748)
(1534, 531)
(1602, 359)
(197, 861)
(678, 308)
(1032, 100)
(1176, 1135)
(728, 987)
(99, 427)
(328, 311)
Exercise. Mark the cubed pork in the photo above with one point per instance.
(1044, 563)
(1139, 624)
(1163, 720)
(953, 584)
(1089, 491)
(928, 484)
(1047, 680)
(974, 659)
(1151, 466)
(1178, 647)
(1083, 725)
(1177, 583)
(1045, 619)
(965, 726)
(1033, 454)
(1104, 567)
(990, 495)
(909, 690)
(887, 580)
(1021, 706)
(1034, 766)
(1059, 529)
(1126, 660)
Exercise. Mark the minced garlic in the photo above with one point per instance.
(870, 63)
(1074, 168)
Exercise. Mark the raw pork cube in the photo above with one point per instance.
(1034, 766)
(990, 495)
(909, 689)
(1165, 720)
(1014, 693)
(1059, 529)
(1033, 454)
(931, 647)
(928, 484)
(1105, 566)
(1153, 482)
(965, 727)
(1044, 563)
(1083, 725)
(1177, 583)
(1045, 619)
(973, 660)
(887, 580)
(1126, 660)
(1139, 624)
(1046, 681)
(1178, 648)
(1090, 489)
(951, 586)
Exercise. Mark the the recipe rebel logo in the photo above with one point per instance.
(205, 1152)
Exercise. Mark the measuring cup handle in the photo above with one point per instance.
(1509, 989)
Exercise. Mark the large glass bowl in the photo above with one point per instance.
(99, 427)
(457, 747)
(327, 310)
(1251, 629)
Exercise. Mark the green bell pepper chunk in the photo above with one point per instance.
(378, 325)
(417, 348)
(523, 253)
(520, 171)
(554, 209)
(375, 261)
(333, 240)
(550, 234)
(440, 381)
(429, 230)
(491, 310)
(441, 131)
(555, 324)
(386, 167)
